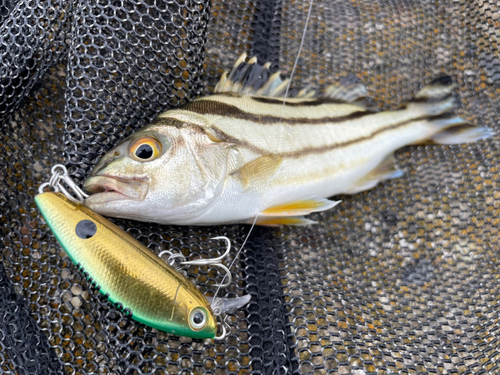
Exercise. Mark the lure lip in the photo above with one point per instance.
(228, 305)
(106, 188)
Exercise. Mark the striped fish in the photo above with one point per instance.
(247, 151)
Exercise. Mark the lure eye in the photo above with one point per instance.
(85, 229)
(145, 149)
(198, 319)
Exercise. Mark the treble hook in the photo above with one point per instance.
(224, 327)
(217, 262)
(59, 172)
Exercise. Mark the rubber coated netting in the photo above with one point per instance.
(402, 278)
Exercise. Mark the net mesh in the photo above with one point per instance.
(402, 278)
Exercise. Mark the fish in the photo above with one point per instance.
(136, 281)
(247, 153)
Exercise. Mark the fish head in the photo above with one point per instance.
(166, 173)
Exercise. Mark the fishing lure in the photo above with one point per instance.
(137, 281)
(248, 151)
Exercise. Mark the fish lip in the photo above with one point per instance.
(107, 188)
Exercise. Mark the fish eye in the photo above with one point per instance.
(145, 149)
(197, 319)
(85, 229)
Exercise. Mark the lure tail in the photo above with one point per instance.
(435, 101)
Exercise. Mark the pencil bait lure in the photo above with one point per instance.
(137, 281)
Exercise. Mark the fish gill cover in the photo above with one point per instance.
(400, 278)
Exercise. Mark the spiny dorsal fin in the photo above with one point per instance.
(251, 78)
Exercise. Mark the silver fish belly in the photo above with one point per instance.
(246, 151)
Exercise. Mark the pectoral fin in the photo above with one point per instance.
(300, 207)
(258, 170)
(386, 170)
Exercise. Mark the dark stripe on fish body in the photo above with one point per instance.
(305, 103)
(213, 107)
(446, 115)
(319, 150)
(224, 137)
(170, 121)
(293, 154)
(315, 150)
(431, 100)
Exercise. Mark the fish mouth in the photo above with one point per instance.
(106, 189)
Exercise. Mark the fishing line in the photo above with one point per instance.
(283, 108)
(298, 56)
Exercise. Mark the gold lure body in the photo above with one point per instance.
(136, 280)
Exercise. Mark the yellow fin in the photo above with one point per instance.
(276, 221)
(300, 207)
(259, 169)
(384, 171)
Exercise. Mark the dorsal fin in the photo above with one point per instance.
(350, 90)
(251, 78)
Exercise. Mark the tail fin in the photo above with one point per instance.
(464, 133)
(436, 101)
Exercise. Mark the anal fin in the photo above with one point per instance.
(300, 207)
(276, 221)
(386, 170)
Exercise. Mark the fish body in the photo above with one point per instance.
(132, 277)
(246, 151)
